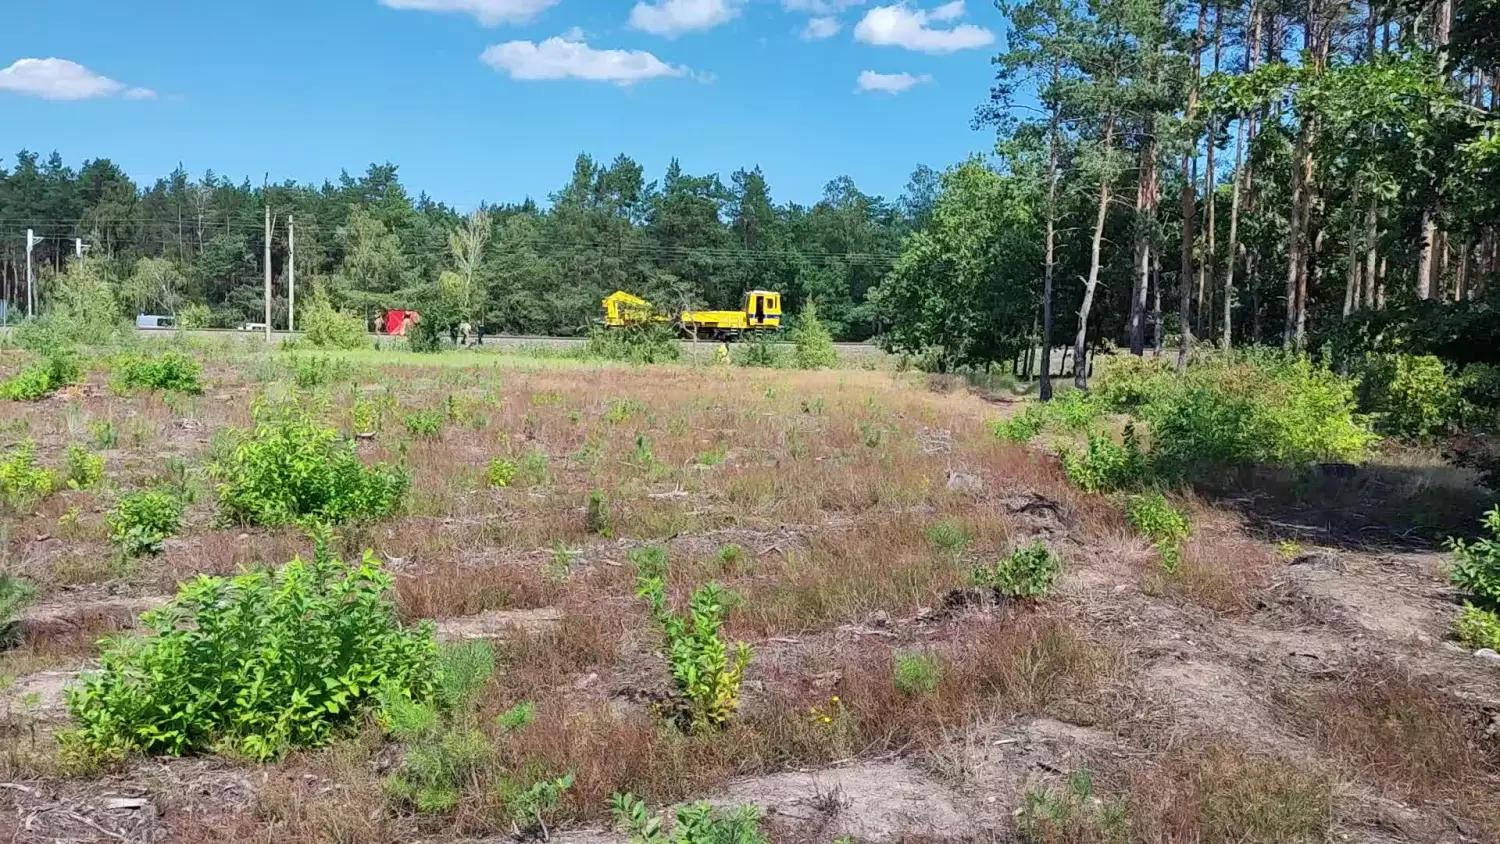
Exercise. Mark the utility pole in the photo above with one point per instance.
(291, 273)
(268, 272)
(30, 294)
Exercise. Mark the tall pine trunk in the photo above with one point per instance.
(1045, 388)
(1145, 209)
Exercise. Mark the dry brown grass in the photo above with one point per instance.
(447, 589)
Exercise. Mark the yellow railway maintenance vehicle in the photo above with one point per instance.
(761, 312)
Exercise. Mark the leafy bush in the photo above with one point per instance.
(1476, 628)
(443, 745)
(706, 670)
(812, 343)
(142, 521)
(917, 673)
(172, 371)
(1125, 383)
(1266, 409)
(194, 315)
(1106, 466)
(598, 517)
(292, 470)
(318, 370)
(697, 823)
(1166, 526)
(1073, 410)
(85, 470)
(1026, 573)
(1021, 428)
(262, 662)
(501, 472)
(1476, 565)
(326, 327)
(23, 484)
(56, 370)
(1409, 395)
(646, 343)
(1479, 397)
(426, 424)
(760, 349)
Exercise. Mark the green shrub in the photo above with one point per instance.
(1476, 565)
(263, 662)
(598, 517)
(443, 745)
(1125, 383)
(812, 344)
(1021, 428)
(706, 670)
(318, 370)
(23, 484)
(696, 823)
(638, 344)
(1106, 466)
(85, 470)
(56, 370)
(917, 673)
(426, 424)
(1410, 395)
(142, 521)
(1476, 628)
(1166, 526)
(760, 350)
(293, 470)
(326, 327)
(1026, 573)
(1073, 410)
(501, 472)
(171, 371)
(1256, 409)
(948, 536)
(1072, 813)
(193, 316)
(15, 594)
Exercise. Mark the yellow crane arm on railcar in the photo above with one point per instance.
(761, 312)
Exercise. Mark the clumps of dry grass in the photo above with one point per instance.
(1221, 568)
(1218, 792)
(449, 589)
(1400, 733)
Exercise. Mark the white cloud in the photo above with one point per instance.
(487, 12)
(567, 56)
(820, 28)
(902, 26)
(819, 7)
(890, 83)
(674, 17)
(60, 79)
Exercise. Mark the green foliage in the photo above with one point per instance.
(15, 594)
(622, 410)
(706, 670)
(534, 468)
(917, 673)
(598, 517)
(194, 316)
(425, 424)
(1050, 815)
(311, 371)
(56, 370)
(23, 484)
(642, 344)
(142, 521)
(292, 470)
(1125, 383)
(696, 823)
(948, 536)
(812, 343)
(1022, 427)
(325, 327)
(530, 805)
(501, 472)
(1106, 466)
(262, 662)
(760, 350)
(1409, 395)
(171, 371)
(1026, 573)
(81, 309)
(1155, 518)
(518, 717)
(1476, 565)
(84, 470)
(731, 556)
(1073, 410)
(104, 433)
(1476, 627)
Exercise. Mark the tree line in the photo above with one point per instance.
(368, 244)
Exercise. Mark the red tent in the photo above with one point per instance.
(395, 321)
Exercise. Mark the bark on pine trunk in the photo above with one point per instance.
(1080, 372)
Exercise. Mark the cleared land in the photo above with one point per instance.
(1291, 682)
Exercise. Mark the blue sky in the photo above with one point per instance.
(492, 99)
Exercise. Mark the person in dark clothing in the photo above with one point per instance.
(453, 333)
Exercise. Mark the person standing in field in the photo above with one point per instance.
(464, 330)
